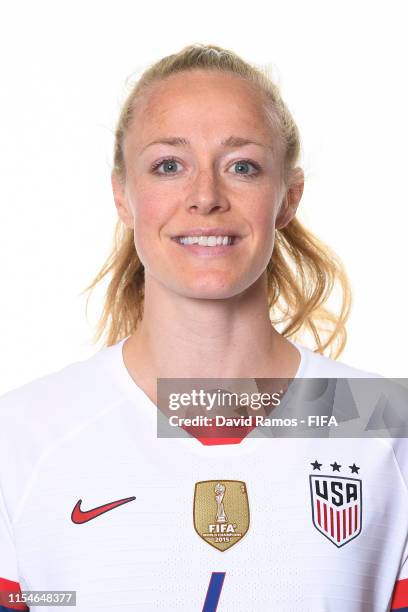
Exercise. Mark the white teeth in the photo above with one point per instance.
(206, 240)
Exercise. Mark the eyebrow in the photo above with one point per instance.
(232, 141)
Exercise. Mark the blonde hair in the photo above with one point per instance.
(302, 271)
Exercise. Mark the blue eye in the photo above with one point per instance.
(243, 164)
(167, 163)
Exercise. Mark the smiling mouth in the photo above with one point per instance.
(206, 241)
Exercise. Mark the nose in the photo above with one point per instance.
(206, 193)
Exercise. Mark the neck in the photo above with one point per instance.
(185, 337)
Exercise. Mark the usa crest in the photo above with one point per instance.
(336, 506)
(221, 512)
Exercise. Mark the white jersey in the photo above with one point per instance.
(92, 501)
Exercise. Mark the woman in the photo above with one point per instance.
(207, 247)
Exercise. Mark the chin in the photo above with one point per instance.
(210, 291)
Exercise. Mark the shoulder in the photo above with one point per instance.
(393, 412)
(315, 365)
(66, 394)
(38, 415)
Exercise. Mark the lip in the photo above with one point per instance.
(208, 231)
(205, 251)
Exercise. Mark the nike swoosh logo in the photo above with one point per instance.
(82, 516)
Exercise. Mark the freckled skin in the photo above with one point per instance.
(205, 109)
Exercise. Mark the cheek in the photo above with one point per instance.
(148, 214)
(266, 220)
(263, 215)
(152, 211)
(151, 207)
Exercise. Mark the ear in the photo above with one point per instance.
(291, 200)
(121, 202)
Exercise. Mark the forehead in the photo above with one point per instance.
(202, 103)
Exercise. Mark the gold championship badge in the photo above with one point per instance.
(221, 512)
